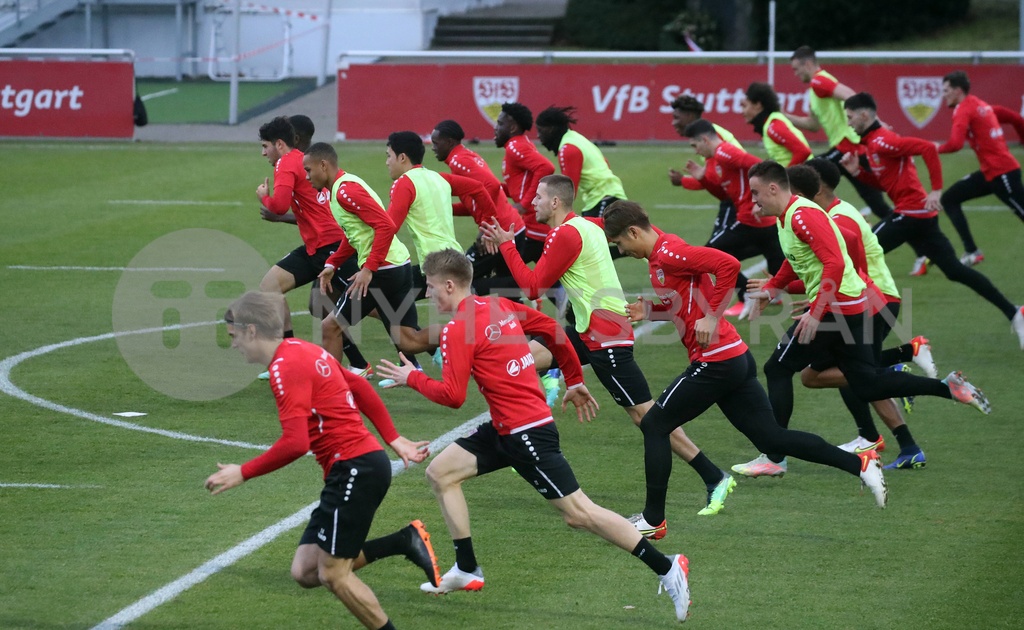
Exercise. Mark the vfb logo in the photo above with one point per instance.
(490, 93)
(920, 98)
(633, 98)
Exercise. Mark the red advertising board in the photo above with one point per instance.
(631, 102)
(55, 98)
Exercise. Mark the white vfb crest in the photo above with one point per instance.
(920, 98)
(661, 275)
(490, 92)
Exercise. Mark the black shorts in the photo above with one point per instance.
(744, 241)
(531, 249)
(839, 340)
(726, 217)
(598, 209)
(923, 234)
(1007, 187)
(615, 368)
(419, 282)
(731, 384)
(485, 264)
(391, 293)
(305, 267)
(701, 385)
(533, 453)
(881, 326)
(353, 490)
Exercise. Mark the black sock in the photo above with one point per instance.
(388, 626)
(659, 562)
(390, 545)
(899, 354)
(351, 350)
(288, 334)
(707, 470)
(861, 412)
(465, 559)
(906, 441)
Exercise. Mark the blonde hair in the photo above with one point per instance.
(449, 264)
(262, 310)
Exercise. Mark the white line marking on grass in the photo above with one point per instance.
(185, 582)
(46, 486)
(9, 388)
(246, 547)
(229, 557)
(171, 202)
(121, 269)
(150, 97)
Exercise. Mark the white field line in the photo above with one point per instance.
(171, 202)
(246, 547)
(168, 592)
(121, 269)
(9, 388)
(150, 97)
(45, 486)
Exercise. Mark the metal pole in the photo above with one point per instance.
(1020, 27)
(233, 92)
(178, 23)
(88, 24)
(321, 77)
(771, 42)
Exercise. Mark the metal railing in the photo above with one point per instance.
(68, 53)
(758, 56)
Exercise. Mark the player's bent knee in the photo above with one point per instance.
(330, 327)
(577, 510)
(809, 378)
(656, 424)
(774, 369)
(573, 520)
(306, 577)
(435, 476)
(575, 514)
(304, 566)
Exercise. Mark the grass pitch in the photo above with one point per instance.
(806, 551)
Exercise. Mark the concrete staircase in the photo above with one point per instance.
(516, 24)
(21, 20)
